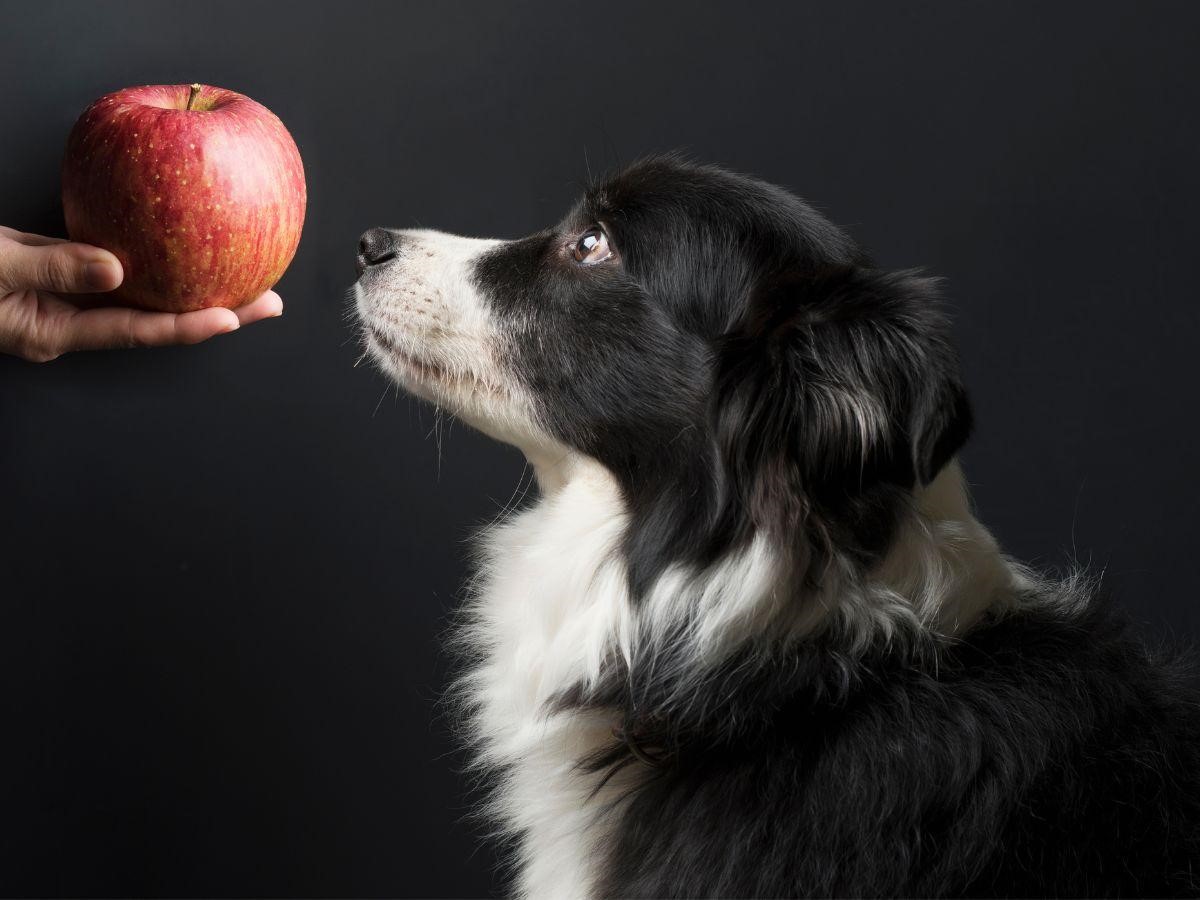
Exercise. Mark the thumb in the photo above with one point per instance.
(64, 267)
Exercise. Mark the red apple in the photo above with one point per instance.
(199, 191)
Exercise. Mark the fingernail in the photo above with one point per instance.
(101, 275)
(232, 326)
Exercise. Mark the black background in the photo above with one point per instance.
(225, 568)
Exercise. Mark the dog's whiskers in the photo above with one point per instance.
(380, 403)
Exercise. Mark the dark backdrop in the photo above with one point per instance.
(225, 568)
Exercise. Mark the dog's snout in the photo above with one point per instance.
(377, 246)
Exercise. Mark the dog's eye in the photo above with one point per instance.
(592, 247)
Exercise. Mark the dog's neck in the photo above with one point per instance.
(943, 566)
(944, 563)
(555, 466)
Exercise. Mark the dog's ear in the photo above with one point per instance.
(836, 389)
(940, 418)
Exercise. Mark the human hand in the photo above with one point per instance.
(38, 324)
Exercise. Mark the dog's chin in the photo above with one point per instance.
(417, 375)
(483, 404)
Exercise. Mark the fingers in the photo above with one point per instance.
(29, 240)
(112, 328)
(59, 266)
(267, 306)
(192, 327)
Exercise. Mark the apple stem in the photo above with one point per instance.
(193, 91)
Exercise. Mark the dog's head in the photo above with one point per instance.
(728, 354)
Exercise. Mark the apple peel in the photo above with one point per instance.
(199, 191)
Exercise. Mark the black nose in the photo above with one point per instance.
(377, 246)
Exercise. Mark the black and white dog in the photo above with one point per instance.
(750, 640)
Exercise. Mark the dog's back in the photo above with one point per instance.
(1047, 754)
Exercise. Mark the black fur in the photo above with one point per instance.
(743, 369)
(1048, 755)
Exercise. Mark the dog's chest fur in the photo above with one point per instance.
(550, 599)
(551, 608)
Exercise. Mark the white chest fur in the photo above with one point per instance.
(550, 604)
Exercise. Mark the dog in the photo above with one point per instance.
(750, 639)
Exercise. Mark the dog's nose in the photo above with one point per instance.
(377, 246)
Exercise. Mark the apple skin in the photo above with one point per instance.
(202, 206)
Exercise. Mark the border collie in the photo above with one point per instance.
(750, 640)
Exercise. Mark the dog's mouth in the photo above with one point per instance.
(422, 369)
(424, 372)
